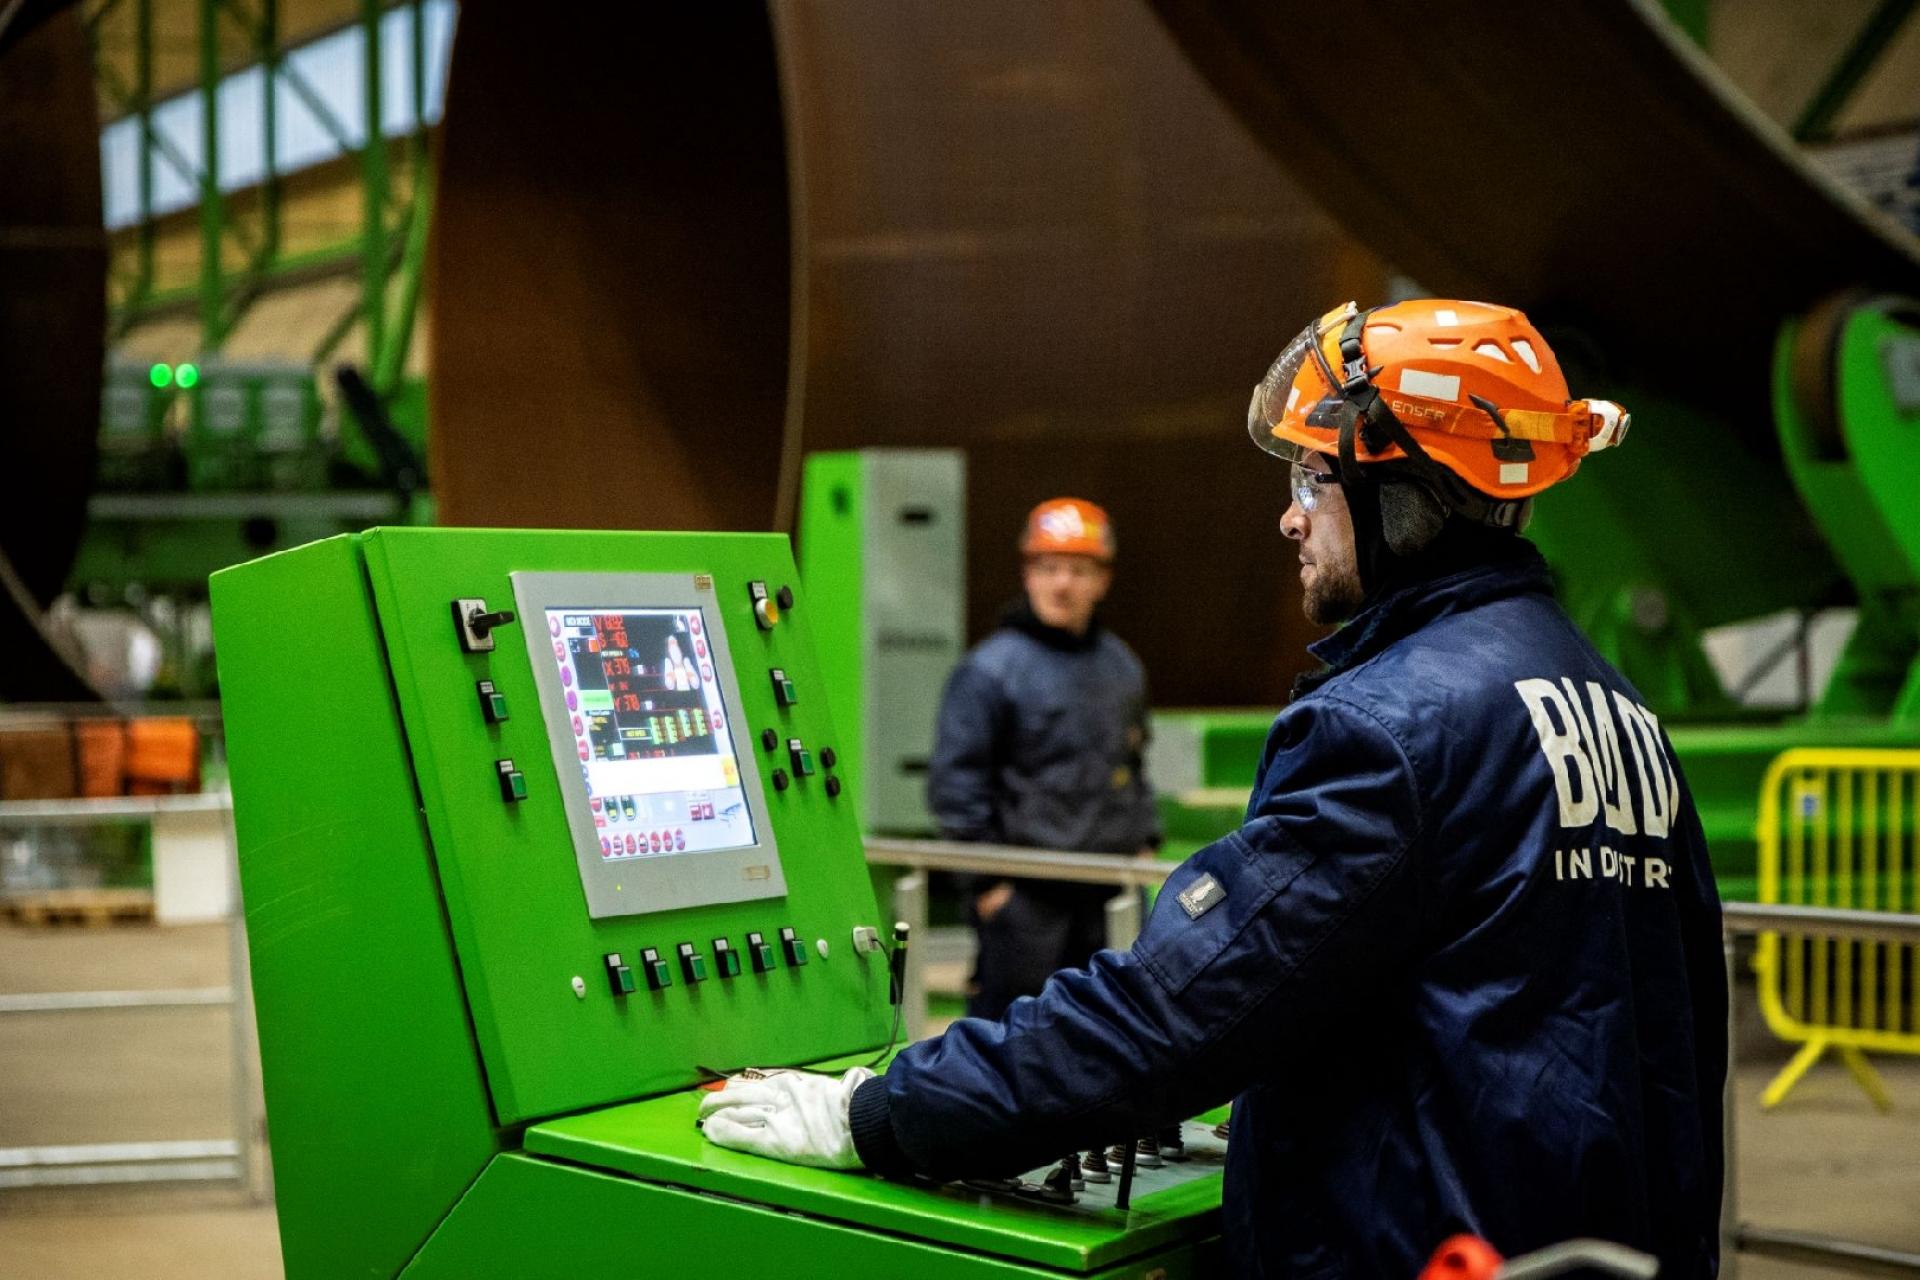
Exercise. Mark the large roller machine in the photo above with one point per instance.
(537, 831)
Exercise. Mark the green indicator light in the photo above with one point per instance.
(160, 375)
(186, 375)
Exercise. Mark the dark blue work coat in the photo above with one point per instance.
(1460, 970)
(1039, 742)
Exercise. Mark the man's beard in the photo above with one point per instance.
(1334, 594)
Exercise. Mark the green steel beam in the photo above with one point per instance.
(212, 206)
(373, 189)
(1876, 34)
(390, 361)
(267, 40)
(143, 91)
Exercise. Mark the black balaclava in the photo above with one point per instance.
(1402, 535)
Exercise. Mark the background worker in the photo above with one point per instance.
(1460, 968)
(1039, 743)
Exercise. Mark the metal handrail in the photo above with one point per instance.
(1827, 922)
(1124, 871)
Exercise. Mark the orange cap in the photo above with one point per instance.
(1068, 527)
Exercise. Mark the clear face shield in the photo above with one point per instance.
(1276, 393)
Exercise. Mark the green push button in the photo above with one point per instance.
(761, 952)
(800, 758)
(693, 965)
(659, 976)
(513, 783)
(785, 692)
(726, 961)
(493, 703)
(619, 976)
(794, 946)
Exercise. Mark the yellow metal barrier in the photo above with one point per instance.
(1837, 829)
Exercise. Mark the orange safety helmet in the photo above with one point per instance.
(1466, 395)
(1068, 527)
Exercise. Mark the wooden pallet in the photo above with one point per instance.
(86, 907)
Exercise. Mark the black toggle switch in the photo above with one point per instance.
(779, 779)
(476, 623)
(833, 788)
(828, 757)
(785, 597)
(769, 739)
(794, 946)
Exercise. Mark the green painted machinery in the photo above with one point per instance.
(537, 830)
(883, 546)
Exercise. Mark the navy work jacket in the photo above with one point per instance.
(1460, 970)
(1040, 739)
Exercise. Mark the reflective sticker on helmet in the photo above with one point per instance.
(1513, 472)
(1444, 316)
(1434, 386)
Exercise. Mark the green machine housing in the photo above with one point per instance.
(484, 1014)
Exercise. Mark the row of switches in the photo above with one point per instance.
(658, 974)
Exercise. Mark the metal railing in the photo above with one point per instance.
(234, 1159)
(1127, 874)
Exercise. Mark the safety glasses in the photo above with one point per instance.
(1307, 484)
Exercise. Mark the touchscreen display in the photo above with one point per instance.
(652, 730)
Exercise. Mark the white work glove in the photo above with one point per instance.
(796, 1116)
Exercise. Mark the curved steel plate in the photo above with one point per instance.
(53, 262)
(677, 251)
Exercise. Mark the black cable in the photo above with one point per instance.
(896, 990)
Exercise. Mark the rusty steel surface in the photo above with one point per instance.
(1588, 164)
(677, 251)
(1585, 161)
(53, 263)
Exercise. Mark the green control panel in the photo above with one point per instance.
(583, 714)
(538, 831)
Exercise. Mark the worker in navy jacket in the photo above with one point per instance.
(1039, 743)
(1460, 968)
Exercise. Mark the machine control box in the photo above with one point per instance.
(626, 823)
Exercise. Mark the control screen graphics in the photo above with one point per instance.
(643, 712)
(652, 731)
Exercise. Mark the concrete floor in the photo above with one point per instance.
(1825, 1161)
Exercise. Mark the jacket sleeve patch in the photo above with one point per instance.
(1202, 896)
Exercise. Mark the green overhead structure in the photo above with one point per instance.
(530, 844)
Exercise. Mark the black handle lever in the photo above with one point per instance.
(481, 623)
(476, 623)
